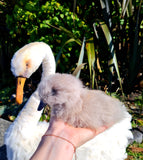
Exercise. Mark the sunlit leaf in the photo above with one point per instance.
(98, 63)
(124, 7)
(81, 56)
(78, 69)
(90, 53)
(11, 118)
(127, 8)
(91, 56)
(111, 47)
(106, 11)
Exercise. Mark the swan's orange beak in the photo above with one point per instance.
(19, 89)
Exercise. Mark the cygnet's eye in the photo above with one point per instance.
(54, 92)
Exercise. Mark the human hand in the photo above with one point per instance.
(50, 145)
(77, 136)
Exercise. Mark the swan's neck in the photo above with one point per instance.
(29, 112)
(48, 65)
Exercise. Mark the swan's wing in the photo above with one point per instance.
(109, 145)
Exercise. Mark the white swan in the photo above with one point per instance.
(23, 136)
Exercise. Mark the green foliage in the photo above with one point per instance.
(135, 151)
(8, 108)
(125, 41)
(63, 28)
(5, 94)
(139, 103)
(32, 21)
(45, 114)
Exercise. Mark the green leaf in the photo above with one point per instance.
(80, 60)
(62, 15)
(106, 11)
(90, 54)
(91, 58)
(78, 69)
(60, 52)
(69, 33)
(111, 47)
(127, 8)
(108, 37)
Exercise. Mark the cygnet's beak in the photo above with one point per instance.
(41, 105)
(19, 89)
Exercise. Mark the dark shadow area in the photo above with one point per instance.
(3, 153)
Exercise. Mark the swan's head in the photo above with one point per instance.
(28, 59)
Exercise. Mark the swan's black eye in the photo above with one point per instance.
(28, 64)
(54, 92)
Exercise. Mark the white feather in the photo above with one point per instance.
(109, 145)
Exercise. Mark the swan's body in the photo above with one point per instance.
(24, 135)
(109, 145)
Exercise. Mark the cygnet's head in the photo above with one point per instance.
(60, 90)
